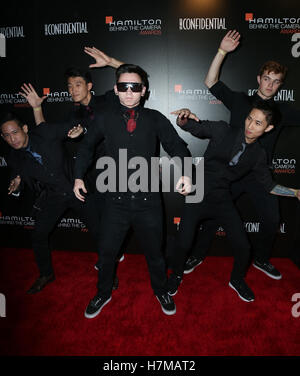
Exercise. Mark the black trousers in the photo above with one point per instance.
(267, 209)
(225, 213)
(54, 207)
(295, 250)
(144, 214)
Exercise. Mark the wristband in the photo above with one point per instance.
(39, 108)
(296, 192)
(222, 52)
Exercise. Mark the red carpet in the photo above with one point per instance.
(210, 319)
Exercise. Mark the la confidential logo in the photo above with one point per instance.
(284, 24)
(282, 95)
(187, 24)
(143, 26)
(12, 31)
(251, 227)
(66, 28)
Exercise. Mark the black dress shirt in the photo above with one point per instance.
(152, 129)
(46, 140)
(239, 104)
(85, 116)
(225, 143)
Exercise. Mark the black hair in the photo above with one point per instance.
(270, 110)
(78, 72)
(131, 68)
(11, 116)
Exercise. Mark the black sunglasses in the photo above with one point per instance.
(135, 87)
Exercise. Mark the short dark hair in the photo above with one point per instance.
(270, 110)
(132, 68)
(273, 66)
(78, 72)
(11, 116)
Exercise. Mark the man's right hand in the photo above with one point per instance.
(14, 184)
(102, 60)
(31, 95)
(79, 184)
(230, 42)
(183, 115)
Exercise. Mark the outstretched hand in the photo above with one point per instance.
(102, 60)
(31, 95)
(75, 131)
(183, 115)
(230, 41)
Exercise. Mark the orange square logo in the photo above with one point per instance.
(108, 19)
(248, 16)
(177, 88)
(46, 90)
(176, 220)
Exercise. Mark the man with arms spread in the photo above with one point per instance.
(38, 159)
(138, 131)
(80, 85)
(231, 154)
(270, 79)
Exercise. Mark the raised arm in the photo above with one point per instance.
(228, 44)
(102, 60)
(35, 102)
(189, 122)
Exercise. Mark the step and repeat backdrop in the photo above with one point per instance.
(174, 41)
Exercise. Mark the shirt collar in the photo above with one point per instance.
(125, 109)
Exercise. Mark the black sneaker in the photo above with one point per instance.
(191, 264)
(173, 283)
(115, 283)
(120, 260)
(268, 269)
(167, 304)
(95, 306)
(242, 289)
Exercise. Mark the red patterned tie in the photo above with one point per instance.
(131, 123)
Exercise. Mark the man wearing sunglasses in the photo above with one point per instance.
(138, 131)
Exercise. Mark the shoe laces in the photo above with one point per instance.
(268, 265)
(166, 298)
(96, 300)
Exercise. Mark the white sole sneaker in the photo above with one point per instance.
(91, 316)
(240, 296)
(268, 274)
(169, 313)
(191, 270)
